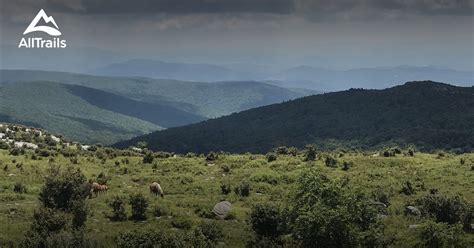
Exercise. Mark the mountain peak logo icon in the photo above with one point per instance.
(47, 29)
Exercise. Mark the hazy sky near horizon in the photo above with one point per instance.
(326, 33)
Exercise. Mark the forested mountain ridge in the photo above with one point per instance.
(207, 100)
(425, 114)
(62, 109)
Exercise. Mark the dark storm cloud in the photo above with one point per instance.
(314, 9)
(422, 7)
(178, 6)
(355, 9)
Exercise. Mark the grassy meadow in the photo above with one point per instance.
(192, 187)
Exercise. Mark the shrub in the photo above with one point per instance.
(281, 150)
(265, 220)
(330, 161)
(102, 178)
(230, 216)
(159, 211)
(310, 152)
(266, 242)
(243, 189)
(139, 206)
(407, 188)
(265, 178)
(62, 189)
(450, 210)
(271, 157)
(323, 214)
(93, 148)
(73, 238)
(181, 223)
(150, 239)
(15, 151)
(46, 222)
(118, 209)
(19, 188)
(44, 153)
(4, 145)
(346, 165)
(381, 196)
(79, 213)
(212, 156)
(211, 230)
(439, 235)
(293, 151)
(388, 153)
(225, 168)
(148, 158)
(225, 188)
(204, 212)
(74, 160)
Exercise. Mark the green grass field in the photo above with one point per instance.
(192, 185)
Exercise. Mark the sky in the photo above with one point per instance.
(336, 34)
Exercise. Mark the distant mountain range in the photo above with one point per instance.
(122, 107)
(164, 70)
(425, 114)
(62, 109)
(298, 77)
(99, 62)
(368, 78)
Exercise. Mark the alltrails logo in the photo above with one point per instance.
(38, 42)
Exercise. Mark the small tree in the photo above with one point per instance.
(211, 231)
(293, 151)
(438, 235)
(148, 158)
(265, 220)
(118, 209)
(408, 188)
(330, 161)
(243, 189)
(271, 157)
(212, 156)
(310, 152)
(346, 165)
(61, 190)
(139, 206)
(225, 188)
(61, 217)
(281, 150)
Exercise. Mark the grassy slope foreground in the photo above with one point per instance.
(426, 114)
(56, 107)
(193, 185)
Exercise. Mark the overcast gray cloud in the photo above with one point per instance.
(284, 7)
(344, 33)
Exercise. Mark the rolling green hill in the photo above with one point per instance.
(426, 114)
(208, 100)
(61, 109)
(159, 114)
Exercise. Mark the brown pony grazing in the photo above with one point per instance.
(98, 188)
(156, 189)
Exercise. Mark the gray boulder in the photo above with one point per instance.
(222, 209)
(411, 210)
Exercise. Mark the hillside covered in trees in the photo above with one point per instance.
(208, 100)
(106, 110)
(425, 114)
